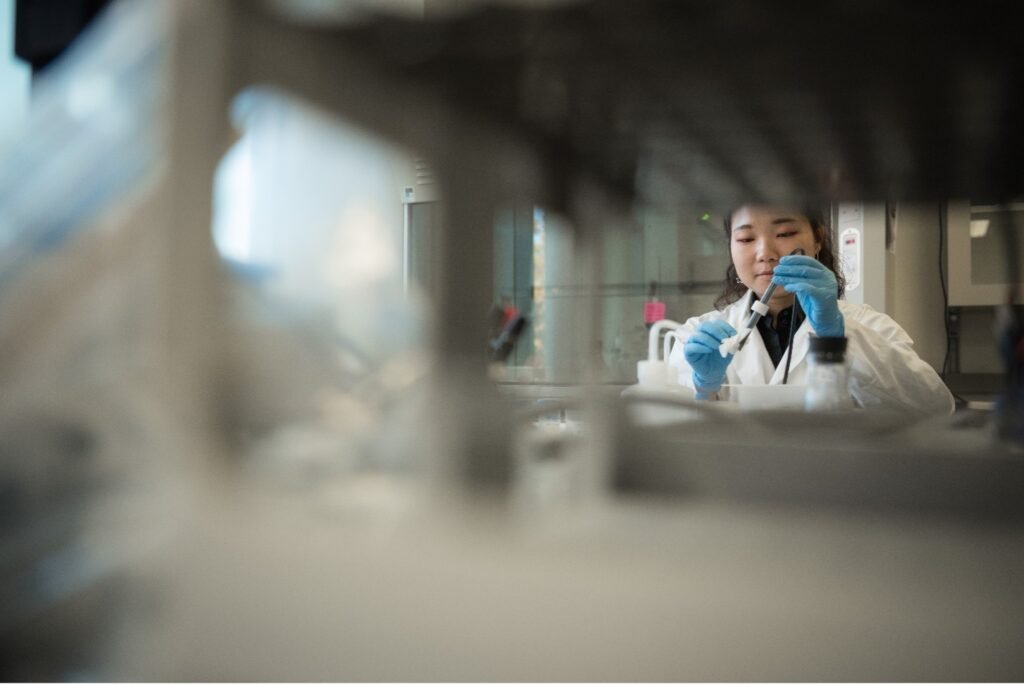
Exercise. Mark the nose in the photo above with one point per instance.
(766, 251)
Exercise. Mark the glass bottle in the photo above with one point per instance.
(827, 375)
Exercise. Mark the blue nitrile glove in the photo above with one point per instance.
(708, 364)
(815, 286)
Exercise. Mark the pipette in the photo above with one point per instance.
(757, 310)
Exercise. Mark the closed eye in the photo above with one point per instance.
(787, 234)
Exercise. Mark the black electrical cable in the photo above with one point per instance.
(960, 401)
(945, 293)
(792, 327)
(789, 345)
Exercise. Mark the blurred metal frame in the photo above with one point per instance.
(482, 161)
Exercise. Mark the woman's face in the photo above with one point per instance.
(761, 236)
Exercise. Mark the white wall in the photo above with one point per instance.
(866, 281)
(914, 297)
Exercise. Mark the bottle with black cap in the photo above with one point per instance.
(827, 375)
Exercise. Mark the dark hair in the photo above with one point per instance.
(732, 291)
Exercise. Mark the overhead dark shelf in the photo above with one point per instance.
(714, 102)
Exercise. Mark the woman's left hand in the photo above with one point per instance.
(815, 286)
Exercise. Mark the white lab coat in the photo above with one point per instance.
(884, 369)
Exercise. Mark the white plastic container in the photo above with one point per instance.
(653, 373)
(767, 396)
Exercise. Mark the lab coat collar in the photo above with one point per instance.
(753, 364)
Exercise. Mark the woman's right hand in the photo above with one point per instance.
(708, 364)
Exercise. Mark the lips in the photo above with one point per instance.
(765, 273)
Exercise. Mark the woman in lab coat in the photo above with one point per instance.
(884, 369)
